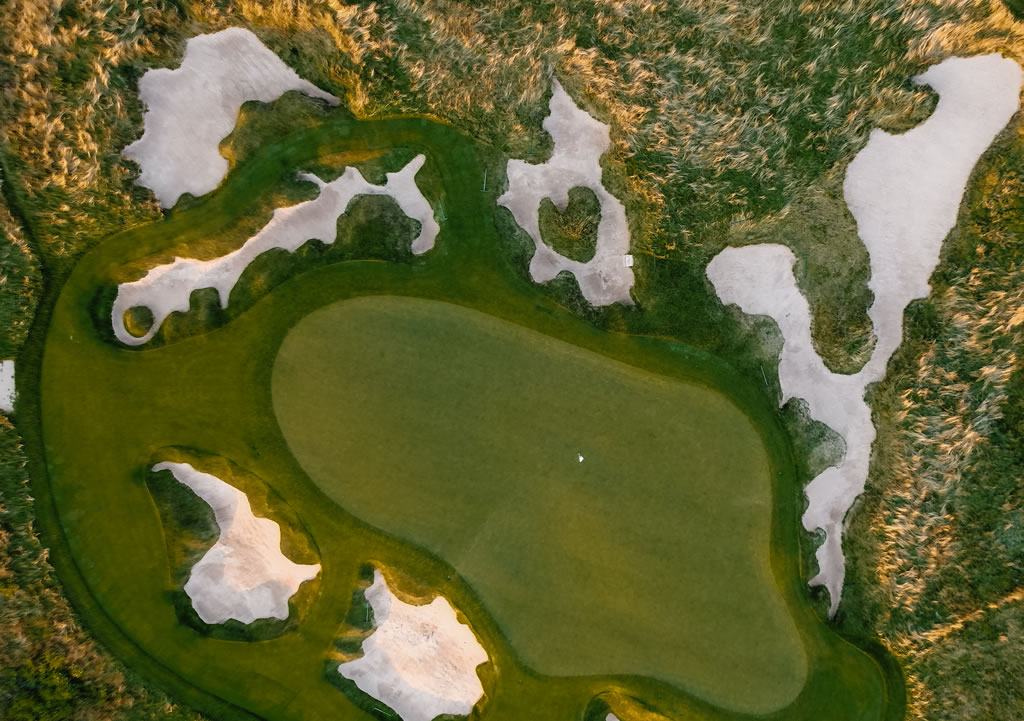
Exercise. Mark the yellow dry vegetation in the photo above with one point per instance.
(940, 537)
(718, 108)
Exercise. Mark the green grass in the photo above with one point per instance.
(832, 271)
(138, 320)
(189, 526)
(103, 412)
(572, 231)
(460, 432)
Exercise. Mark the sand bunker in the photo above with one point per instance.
(191, 109)
(580, 141)
(420, 660)
(244, 576)
(168, 288)
(904, 192)
(759, 279)
(7, 386)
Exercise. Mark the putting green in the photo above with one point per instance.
(461, 432)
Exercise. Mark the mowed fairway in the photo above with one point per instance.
(459, 432)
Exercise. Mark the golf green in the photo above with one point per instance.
(463, 434)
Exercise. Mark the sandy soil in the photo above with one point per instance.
(7, 386)
(244, 576)
(167, 288)
(904, 192)
(580, 141)
(759, 279)
(420, 660)
(191, 109)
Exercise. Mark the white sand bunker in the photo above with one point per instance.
(244, 576)
(580, 141)
(7, 386)
(191, 109)
(420, 660)
(167, 288)
(904, 191)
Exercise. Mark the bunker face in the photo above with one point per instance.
(462, 433)
(168, 288)
(580, 141)
(7, 386)
(244, 576)
(904, 191)
(420, 660)
(191, 109)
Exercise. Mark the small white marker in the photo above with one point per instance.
(580, 455)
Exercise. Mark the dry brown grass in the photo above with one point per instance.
(69, 108)
(718, 108)
(19, 284)
(939, 541)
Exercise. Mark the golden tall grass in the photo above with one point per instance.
(717, 107)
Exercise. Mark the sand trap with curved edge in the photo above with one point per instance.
(244, 576)
(580, 141)
(420, 660)
(904, 192)
(168, 288)
(191, 109)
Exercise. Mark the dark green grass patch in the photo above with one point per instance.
(138, 320)
(190, 529)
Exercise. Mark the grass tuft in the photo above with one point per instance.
(572, 231)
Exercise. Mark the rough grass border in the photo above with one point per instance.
(29, 423)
